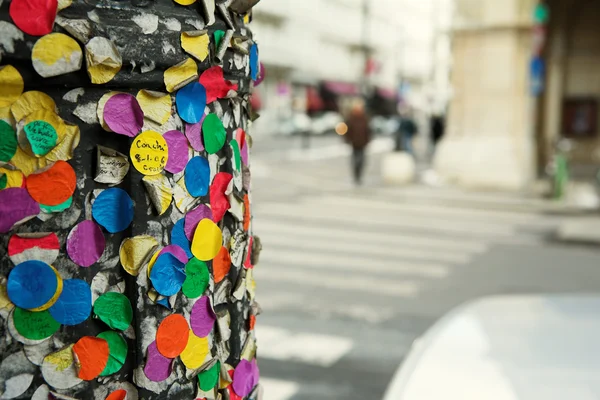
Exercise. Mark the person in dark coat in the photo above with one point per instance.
(358, 136)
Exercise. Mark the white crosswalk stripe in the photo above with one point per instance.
(389, 244)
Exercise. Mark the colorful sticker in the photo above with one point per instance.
(85, 243)
(202, 317)
(207, 240)
(214, 133)
(74, 304)
(149, 153)
(92, 356)
(114, 309)
(113, 209)
(197, 176)
(191, 102)
(117, 352)
(172, 336)
(123, 114)
(56, 54)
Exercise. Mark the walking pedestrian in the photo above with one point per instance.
(408, 130)
(358, 136)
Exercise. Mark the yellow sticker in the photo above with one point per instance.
(5, 302)
(156, 105)
(207, 240)
(160, 191)
(185, 2)
(31, 101)
(25, 163)
(102, 59)
(13, 178)
(100, 109)
(149, 153)
(62, 4)
(59, 289)
(196, 45)
(64, 150)
(180, 75)
(11, 85)
(250, 284)
(195, 351)
(135, 251)
(56, 54)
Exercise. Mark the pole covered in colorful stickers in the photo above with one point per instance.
(127, 251)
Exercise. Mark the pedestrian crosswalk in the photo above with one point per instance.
(355, 256)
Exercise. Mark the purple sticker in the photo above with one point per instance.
(193, 218)
(245, 377)
(193, 132)
(202, 317)
(244, 152)
(123, 114)
(178, 151)
(16, 206)
(261, 75)
(85, 243)
(158, 367)
(177, 251)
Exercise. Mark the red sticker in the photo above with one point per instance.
(37, 246)
(34, 17)
(120, 394)
(215, 84)
(219, 203)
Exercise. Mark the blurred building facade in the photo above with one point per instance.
(501, 129)
(308, 44)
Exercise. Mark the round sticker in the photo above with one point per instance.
(92, 356)
(59, 369)
(149, 153)
(135, 251)
(32, 284)
(113, 209)
(155, 105)
(221, 264)
(245, 377)
(11, 85)
(33, 246)
(207, 241)
(197, 176)
(85, 243)
(53, 185)
(196, 278)
(202, 317)
(178, 151)
(30, 102)
(123, 114)
(179, 238)
(208, 379)
(57, 208)
(41, 136)
(56, 54)
(114, 309)
(120, 394)
(35, 325)
(193, 217)
(254, 66)
(195, 351)
(214, 133)
(103, 60)
(167, 275)
(158, 367)
(74, 304)
(172, 336)
(34, 17)
(16, 207)
(173, 249)
(8, 141)
(191, 102)
(117, 348)
(193, 133)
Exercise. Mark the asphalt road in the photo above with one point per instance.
(349, 277)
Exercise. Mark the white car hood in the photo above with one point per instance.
(507, 348)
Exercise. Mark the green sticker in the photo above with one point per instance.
(214, 133)
(117, 348)
(58, 208)
(8, 141)
(3, 181)
(114, 309)
(208, 379)
(42, 137)
(196, 278)
(219, 35)
(34, 325)
(235, 147)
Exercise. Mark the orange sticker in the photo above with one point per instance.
(120, 394)
(172, 336)
(246, 212)
(221, 264)
(92, 355)
(54, 185)
(252, 322)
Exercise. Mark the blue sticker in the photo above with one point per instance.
(178, 237)
(254, 66)
(191, 102)
(164, 302)
(197, 176)
(74, 304)
(31, 284)
(167, 274)
(113, 209)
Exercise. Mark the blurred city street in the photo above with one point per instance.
(349, 277)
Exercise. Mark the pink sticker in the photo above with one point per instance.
(176, 251)
(178, 151)
(194, 217)
(158, 367)
(193, 132)
(245, 377)
(16, 206)
(244, 153)
(85, 243)
(202, 317)
(123, 114)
